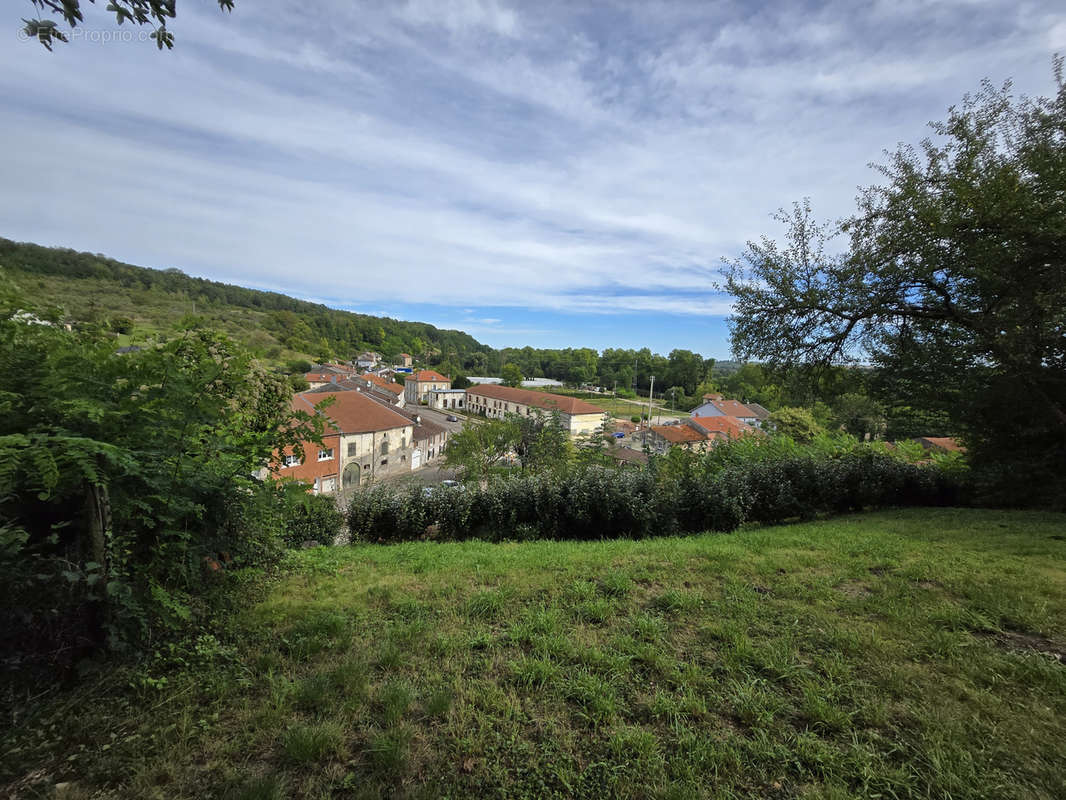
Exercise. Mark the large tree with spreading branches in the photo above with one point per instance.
(950, 276)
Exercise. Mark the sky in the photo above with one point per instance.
(545, 173)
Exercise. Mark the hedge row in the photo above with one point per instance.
(598, 503)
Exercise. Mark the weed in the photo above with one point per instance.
(309, 744)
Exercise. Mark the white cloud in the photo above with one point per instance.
(479, 154)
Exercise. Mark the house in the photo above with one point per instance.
(382, 386)
(319, 466)
(761, 414)
(720, 427)
(365, 441)
(662, 437)
(446, 398)
(429, 440)
(712, 396)
(726, 408)
(417, 385)
(318, 378)
(405, 360)
(367, 360)
(577, 416)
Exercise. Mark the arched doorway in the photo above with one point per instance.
(352, 474)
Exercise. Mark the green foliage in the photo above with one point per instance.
(860, 415)
(477, 449)
(138, 12)
(796, 423)
(460, 381)
(126, 481)
(90, 287)
(306, 517)
(953, 282)
(767, 479)
(511, 374)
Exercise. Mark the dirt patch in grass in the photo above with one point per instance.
(1015, 640)
(854, 589)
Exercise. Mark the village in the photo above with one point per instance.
(379, 429)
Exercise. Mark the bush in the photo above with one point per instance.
(306, 517)
(682, 493)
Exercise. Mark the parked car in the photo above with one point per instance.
(452, 418)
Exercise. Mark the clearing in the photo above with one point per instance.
(910, 653)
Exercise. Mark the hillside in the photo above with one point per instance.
(912, 653)
(94, 289)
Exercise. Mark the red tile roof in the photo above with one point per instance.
(323, 377)
(679, 434)
(729, 426)
(527, 397)
(352, 412)
(713, 396)
(733, 408)
(377, 380)
(426, 375)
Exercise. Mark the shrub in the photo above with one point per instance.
(762, 481)
(306, 517)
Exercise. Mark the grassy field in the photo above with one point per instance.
(914, 653)
(619, 407)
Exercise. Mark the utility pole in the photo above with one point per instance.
(647, 425)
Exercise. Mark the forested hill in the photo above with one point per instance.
(139, 301)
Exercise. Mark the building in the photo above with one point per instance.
(727, 408)
(721, 427)
(319, 467)
(696, 432)
(446, 399)
(367, 360)
(417, 385)
(405, 360)
(577, 416)
(365, 441)
(429, 440)
(662, 437)
(390, 390)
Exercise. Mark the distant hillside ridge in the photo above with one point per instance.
(93, 288)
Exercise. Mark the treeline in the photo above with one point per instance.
(292, 332)
(313, 329)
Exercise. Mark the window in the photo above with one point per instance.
(353, 449)
(384, 462)
(290, 461)
(366, 466)
(384, 446)
(325, 455)
(403, 442)
(402, 459)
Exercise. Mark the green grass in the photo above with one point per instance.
(898, 654)
(618, 407)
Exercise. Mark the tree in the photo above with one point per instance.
(478, 448)
(860, 415)
(138, 12)
(511, 374)
(954, 274)
(798, 424)
(122, 473)
(460, 381)
(543, 443)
